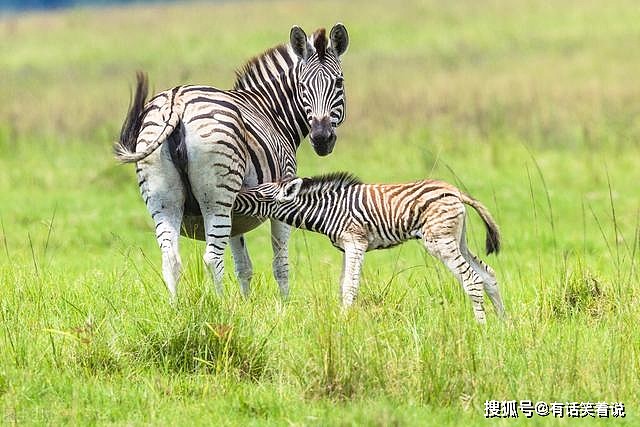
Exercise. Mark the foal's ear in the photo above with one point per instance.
(339, 39)
(290, 190)
(299, 43)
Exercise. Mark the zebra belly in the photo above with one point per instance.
(193, 226)
(379, 242)
(241, 224)
(382, 245)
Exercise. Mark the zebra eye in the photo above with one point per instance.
(339, 83)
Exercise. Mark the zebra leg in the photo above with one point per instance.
(352, 267)
(341, 291)
(217, 225)
(167, 233)
(490, 282)
(280, 233)
(244, 269)
(163, 193)
(486, 273)
(447, 250)
(215, 173)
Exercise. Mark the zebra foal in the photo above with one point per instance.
(359, 217)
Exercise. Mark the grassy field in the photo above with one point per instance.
(532, 107)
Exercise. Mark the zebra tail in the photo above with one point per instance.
(126, 146)
(492, 241)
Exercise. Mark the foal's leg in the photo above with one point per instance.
(486, 273)
(443, 227)
(490, 282)
(447, 251)
(354, 250)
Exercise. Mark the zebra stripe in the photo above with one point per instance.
(360, 217)
(195, 147)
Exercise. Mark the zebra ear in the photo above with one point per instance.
(290, 190)
(339, 39)
(299, 43)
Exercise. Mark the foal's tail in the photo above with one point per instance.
(493, 234)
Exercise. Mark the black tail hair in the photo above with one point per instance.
(492, 242)
(133, 121)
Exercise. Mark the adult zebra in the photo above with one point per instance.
(196, 146)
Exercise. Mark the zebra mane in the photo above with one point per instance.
(250, 70)
(330, 181)
(320, 43)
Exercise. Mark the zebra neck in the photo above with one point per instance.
(273, 78)
(308, 214)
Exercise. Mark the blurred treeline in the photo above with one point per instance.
(17, 5)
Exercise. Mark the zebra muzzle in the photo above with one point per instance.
(322, 136)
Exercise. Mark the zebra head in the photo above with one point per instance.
(267, 198)
(320, 82)
(288, 190)
(281, 191)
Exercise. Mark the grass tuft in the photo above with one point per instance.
(583, 294)
(204, 341)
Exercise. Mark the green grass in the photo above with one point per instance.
(529, 107)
